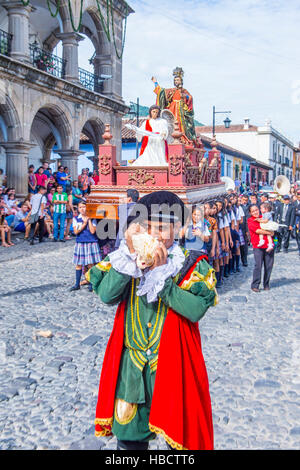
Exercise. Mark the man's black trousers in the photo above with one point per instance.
(244, 251)
(40, 221)
(262, 259)
(298, 237)
(283, 238)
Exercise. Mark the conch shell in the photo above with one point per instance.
(145, 246)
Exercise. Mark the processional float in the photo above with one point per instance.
(188, 170)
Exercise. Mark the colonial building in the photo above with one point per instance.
(264, 143)
(240, 166)
(296, 164)
(48, 101)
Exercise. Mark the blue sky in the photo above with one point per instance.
(239, 55)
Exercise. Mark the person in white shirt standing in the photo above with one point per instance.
(37, 215)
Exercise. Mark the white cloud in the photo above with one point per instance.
(236, 54)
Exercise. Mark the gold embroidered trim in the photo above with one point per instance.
(106, 432)
(209, 279)
(153, 364)
(88, 275)
(141, 357)
(168, 439)
(136, 355)
(216, 300)
(104, 266)
(129, 412)
(103, 422)
(134, 361)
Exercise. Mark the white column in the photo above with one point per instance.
(69, 158)
(18, 26)
(70, 43)
(103, 66)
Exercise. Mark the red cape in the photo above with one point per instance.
(146, 140)
(181, 405)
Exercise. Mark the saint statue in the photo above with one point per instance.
(153, 133)
(180, 102)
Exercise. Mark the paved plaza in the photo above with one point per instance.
(49, 385)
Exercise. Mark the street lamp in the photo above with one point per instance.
(226, 122)
(137, 114)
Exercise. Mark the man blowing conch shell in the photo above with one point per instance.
(153, 379)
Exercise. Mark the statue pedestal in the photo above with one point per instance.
(107, 162)
(181, 176)
(152, 177)
(176, 176)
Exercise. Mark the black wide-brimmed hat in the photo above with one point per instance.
(163, 206)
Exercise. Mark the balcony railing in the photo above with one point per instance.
(5, 42)
(47, 62)
(90, 81)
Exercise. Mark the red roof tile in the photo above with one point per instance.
(128, 134)
(232, 128)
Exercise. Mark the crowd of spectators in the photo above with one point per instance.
(222, 228)
(49, 207)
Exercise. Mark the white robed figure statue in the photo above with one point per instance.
(154, 134)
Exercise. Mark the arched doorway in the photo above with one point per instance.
(90, 139)
(13, 148)
(51, 136)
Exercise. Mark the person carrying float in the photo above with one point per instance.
(153, 379)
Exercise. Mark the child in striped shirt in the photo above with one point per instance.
(59, 201)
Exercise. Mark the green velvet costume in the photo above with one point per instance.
(143, 327)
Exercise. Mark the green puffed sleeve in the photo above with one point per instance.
(97, 272)
(195, 295)
(108, 283)
(114, 287)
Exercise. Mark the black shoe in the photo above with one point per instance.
(245, 264)
(31, 242)
(278, 251)
(74, 288)
(41, 241)
(63, 240)
(55, 239)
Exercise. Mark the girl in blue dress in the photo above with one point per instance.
(86, 251)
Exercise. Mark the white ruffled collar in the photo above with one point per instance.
(152, 281)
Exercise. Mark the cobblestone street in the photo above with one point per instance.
(49, 385)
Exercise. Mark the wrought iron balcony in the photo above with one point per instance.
(91, 81)
(5, 42)
(47, 62)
